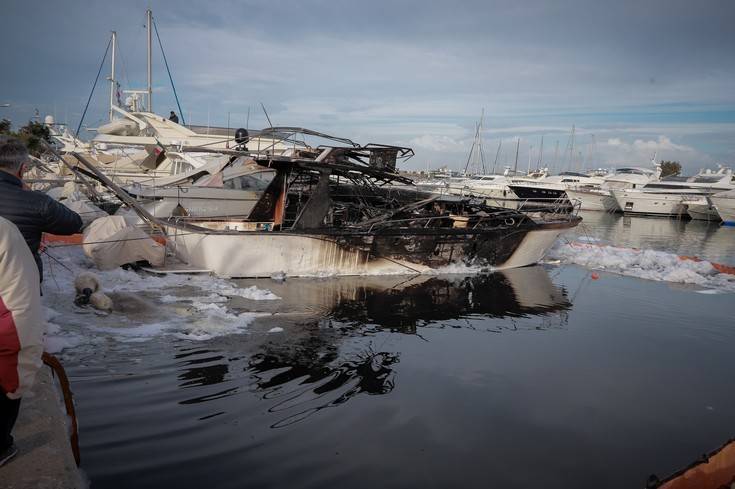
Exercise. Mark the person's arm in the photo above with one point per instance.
(22, 325)
(59, 219)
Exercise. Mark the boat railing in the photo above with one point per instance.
(508, 221)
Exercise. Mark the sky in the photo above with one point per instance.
(634, 78)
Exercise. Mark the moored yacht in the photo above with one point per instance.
(601, 199)
(552, 189)
(670, 196)
(724, 203)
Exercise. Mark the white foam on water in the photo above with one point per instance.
(57, 340)
(276, 330)
(253, 293)
(646, 264)
(185, 306)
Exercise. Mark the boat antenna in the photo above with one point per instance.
(171, 79)
(84, 113)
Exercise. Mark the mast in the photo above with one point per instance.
(497, 153)
(149, 16)
(479, 133)
(479, 156)
(515, 167)
(113, 83)
(530, 151)
(540, 154)
(571, 151)
(556, 154)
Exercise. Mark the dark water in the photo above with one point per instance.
(537, 377)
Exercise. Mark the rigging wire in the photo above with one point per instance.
(107, 49)
(176, 96)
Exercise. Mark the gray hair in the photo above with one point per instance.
(13, 153)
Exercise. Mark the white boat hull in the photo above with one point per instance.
(651, 204)
(725, 208)
(593, 201)
(703, 212)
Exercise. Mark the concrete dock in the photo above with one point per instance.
(45, 459)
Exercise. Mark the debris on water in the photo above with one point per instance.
(279, 277)
(647, 264)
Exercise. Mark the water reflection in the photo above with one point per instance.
(304, 386)
(404, 303)
(705, 239)
(420, 302)
(308, 367)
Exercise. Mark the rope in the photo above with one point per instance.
(93, 87)
(59, 371)
(155, 28)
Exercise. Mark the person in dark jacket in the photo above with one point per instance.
(173, 117)
(33, 213)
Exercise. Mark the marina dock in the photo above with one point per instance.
(45, 459)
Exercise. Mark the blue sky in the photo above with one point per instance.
(633, 77)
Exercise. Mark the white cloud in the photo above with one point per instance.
(439, 143)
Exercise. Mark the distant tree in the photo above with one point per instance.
(669, 168)
(32, 134)
(5, 127)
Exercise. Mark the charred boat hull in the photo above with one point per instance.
(396, 251)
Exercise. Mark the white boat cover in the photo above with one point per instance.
(110, 242)
(55, 192)
(86, 209)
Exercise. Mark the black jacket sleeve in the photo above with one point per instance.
(59, 219)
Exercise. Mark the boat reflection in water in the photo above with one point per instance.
(327, 355)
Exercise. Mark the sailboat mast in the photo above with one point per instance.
(479, 134)
(530, 151)
(540, 154)
(113, 83)
(497, 153)
(515, 167)
(571, 151)
(149, 15)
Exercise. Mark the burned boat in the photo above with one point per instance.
(333, 210)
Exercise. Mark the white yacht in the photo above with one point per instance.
(602, 199)
(670, 196)
(221, 189)
(553, 188)
(495, 188)
(724, 203)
